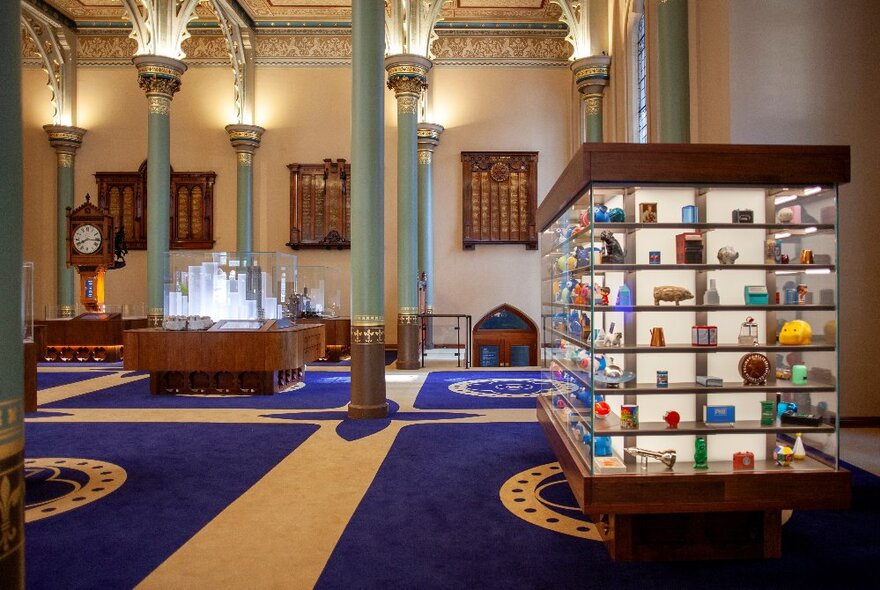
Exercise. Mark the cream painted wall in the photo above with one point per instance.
(807, 73)
(307, 116)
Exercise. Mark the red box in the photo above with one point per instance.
(689, 248)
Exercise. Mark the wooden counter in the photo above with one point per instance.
(89, 337)
(223, 361)
(337, 332)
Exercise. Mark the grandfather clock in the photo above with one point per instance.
(90, 246)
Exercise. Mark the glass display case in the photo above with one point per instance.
(319, 288)
(689, 296)
(229, 285)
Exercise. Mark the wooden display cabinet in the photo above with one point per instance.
(646, 510)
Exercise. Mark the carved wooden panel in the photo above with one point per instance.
(320, 205)
(192, 210)
(124, 194)
(499, 198)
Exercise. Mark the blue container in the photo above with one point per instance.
(689, 214)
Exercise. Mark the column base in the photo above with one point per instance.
(367, 380)
(407, 344)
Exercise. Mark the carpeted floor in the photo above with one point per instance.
(452, 490)
(46, 380)
(319, 390)
(481, 390)
(435, 507)
(390, 357)
(177, 478)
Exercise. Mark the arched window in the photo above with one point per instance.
(638, 73)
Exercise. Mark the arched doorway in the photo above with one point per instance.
(505, 337)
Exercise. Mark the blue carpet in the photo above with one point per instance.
(433, 519)
(390, 357)
(480, 390)
(47, 380)
(323, 390)
(180, 476)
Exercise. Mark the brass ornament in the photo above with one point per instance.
(499, 171)
(155, 315)
(368, 320)
(158, 104)
(406, 319)
(65, 160)
(407, 104)
(593, 103)
(424, 157)
(368, 335)
(245, 158)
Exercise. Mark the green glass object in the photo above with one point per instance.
(700, 454)
(768, 414)
(617, 215)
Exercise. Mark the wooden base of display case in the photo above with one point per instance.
(89, 337)
(337, 332)
(720, 513)
(221, 360)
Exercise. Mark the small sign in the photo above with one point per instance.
(489, 356)
(90, 288)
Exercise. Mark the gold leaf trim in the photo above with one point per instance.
(368, 335)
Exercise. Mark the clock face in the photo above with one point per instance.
(87, 239)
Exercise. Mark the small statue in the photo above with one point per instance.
(671, 293)
(700, 454)
(727, 255)
(120, 248)
(613, 251)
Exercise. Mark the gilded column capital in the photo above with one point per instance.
(64, 138)
(245, 138)
(428, 136)
(407, 74)
(159, 76)
(591, 74)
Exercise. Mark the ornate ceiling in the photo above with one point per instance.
(269, 12)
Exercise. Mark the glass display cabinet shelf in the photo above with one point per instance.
(630, 408)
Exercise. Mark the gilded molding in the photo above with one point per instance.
(404, 86)
(159, 104)
(367, 320)
(65, 160)
(308, 47)
(245, 159)
(407, 75)
(245, 138)
(407, 104)
(155, 315)
(407, 319)
(424, 156)
(159, 75)
(406, 310)
(368, 335)
(428, 137)
(64, 138)
(593, 103)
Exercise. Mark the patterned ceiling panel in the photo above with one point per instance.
(267, 11)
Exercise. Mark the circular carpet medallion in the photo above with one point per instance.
(56, 485)
(508, 387)
(541, 496)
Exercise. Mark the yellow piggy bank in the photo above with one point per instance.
(796, 332)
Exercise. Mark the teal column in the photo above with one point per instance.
(159, 77)
(673, 77)
(591, 75)
(66, 140)
(11, 349)
(245, 140)
(407, 77)
(428, 140)
(367, 213)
